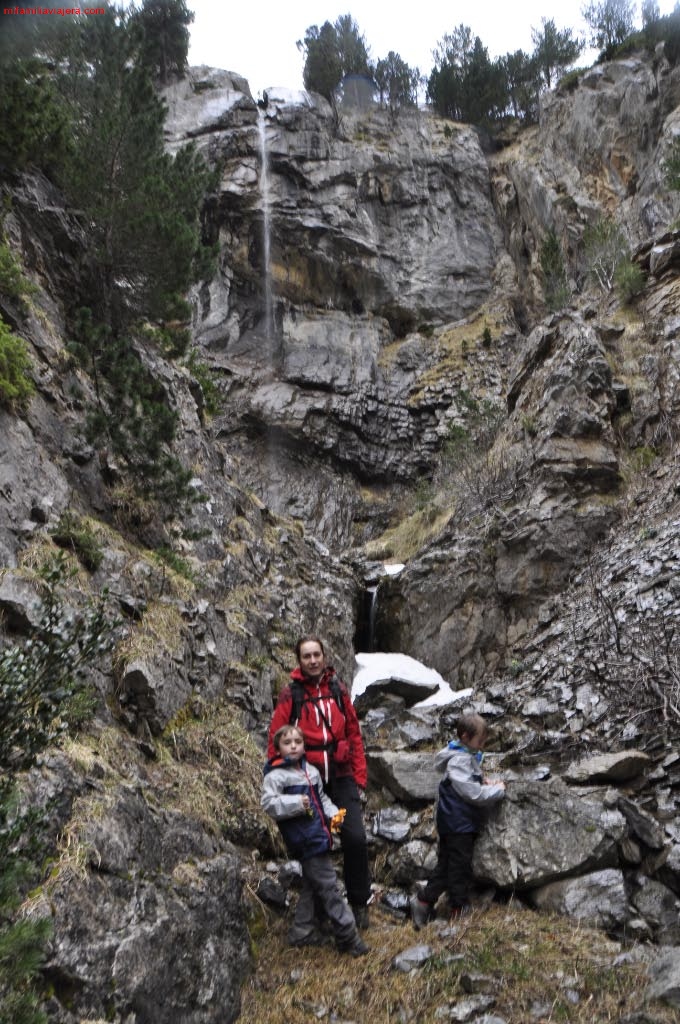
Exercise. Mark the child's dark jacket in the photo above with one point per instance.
(306, 833)
(463, 797)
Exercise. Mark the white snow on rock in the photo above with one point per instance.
(377, 666)
(296, 97)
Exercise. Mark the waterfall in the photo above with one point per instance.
(372, 601)
(266, 226)
(364, 636)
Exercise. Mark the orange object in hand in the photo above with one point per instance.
(337, 820)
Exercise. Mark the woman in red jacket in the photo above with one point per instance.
(317, 701)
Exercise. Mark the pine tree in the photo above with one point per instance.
(164, 37)
(34, 123)
(142, 207)
(397, 82)
(554, 50)
(522, 83)
(465, 84)
(334, 53)
(322, 72)
(610, 21)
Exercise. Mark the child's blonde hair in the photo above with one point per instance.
(284, 731)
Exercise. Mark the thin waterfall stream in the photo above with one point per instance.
(265, 197)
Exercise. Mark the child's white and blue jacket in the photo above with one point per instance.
(306, 832)
(463, 796)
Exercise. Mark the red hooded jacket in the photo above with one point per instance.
(332, 739)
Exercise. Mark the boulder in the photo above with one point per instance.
(411, 691)
(664, 974)
(660, 908)
(409, 777)
(545, 831)
(412, 861)
(413, 957)
(620, 766)
(152, 691)
(392, 823)
(597, 899)
(641, 823)
(20, 605)
(155, 881)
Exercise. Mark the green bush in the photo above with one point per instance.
(570, 81)
(16, 386)
(212, 396)
(39, 677)
(629, 280)
(72, 533)
(671, 166)
(179, 565)
(13, 284)
(132, 416)
(554, 273)
(42, 690)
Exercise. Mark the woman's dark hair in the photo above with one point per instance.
(308, 640)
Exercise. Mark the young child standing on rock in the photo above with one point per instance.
(464, 796)
(293, 794)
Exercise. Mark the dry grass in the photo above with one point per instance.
(534, 967)
(41, 551)
(405, 539)
(210, 768)
(161, 631)
(455, 344)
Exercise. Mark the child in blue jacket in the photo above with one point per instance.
(293, 794)
(464, 796)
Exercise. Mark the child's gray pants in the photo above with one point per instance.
(320, 880)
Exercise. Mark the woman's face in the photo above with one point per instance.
(311, 659)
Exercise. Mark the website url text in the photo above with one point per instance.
(54, 10)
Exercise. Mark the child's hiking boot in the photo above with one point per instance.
(421, 912)
(355, 946)
(360, 911)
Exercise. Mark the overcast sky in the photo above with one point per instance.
(256, 38)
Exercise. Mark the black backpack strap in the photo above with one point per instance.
(297, 692)
(338, 693)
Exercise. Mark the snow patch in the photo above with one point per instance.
(280, 94)
(375, 666)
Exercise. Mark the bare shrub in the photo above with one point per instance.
(477, 469)
(628, 640)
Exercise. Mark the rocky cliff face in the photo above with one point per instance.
(376, 236)
(390, 367)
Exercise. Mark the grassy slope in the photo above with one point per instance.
(537, 968)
